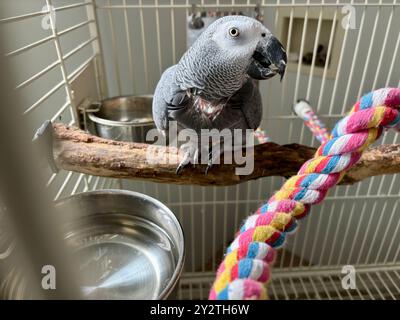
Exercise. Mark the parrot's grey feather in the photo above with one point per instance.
(172, 103)
(243, 110)
(211, 73)
(161, 94)
(215, 73)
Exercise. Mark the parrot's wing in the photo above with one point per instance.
(165, 95)
(248, 100)
(170, 102)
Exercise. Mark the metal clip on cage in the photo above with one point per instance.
(88, 106)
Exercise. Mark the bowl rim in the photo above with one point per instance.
(181, 243)
(114, 123)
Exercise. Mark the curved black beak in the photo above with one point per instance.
(269, 59)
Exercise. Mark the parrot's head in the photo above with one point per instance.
(240, 36)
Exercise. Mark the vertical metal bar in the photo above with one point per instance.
(354, 62)
(328, 54)
(129, 46)
(180, 292)
(364, 74)
(316, 291)
(296, 295)
(248, 196)
(225, 222)
(173, 40)
(62, 63)
(314, 245)
(304, 244)
(384, 45)
(203, 229)
(304, 288)
(180, 204)
(354, 242)
(314, 55)
(339, 67)
(115, 51)
(346, 232)
(394, 57)
(214, 229)
(385, 285)
(103, 184)
(375, 286)
(335, 287)
(303, 40)
(336, 232)
(272, 286)
(324, 243)
(283, 289)
(324, 287)
(392, 241)
(360, 278)
(50, 181)
(396, 254)
(144, 48)
(160, 68)
(63, 186)
(236, 209)
(393, 282)
(97, 46)
(289, 40)
(292, 255)
(377, 228)
(201, 291)
(77, 184)
(366, 232)
(192, 231)
(96, 183)
(190, 291)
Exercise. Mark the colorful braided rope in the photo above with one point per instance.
(311, 120)
(261, 136)
(245, 270)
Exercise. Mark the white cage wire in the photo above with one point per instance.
(103, 48)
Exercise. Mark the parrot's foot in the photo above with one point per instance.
(179, 168)
(214, 155)
(191, 155)
(209, 166)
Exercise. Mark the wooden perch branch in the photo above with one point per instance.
(78, 151)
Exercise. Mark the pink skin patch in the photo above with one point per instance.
(212, 110)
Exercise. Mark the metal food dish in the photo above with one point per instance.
(128, 245)
(126, 118)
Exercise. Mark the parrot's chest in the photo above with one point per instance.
(211, 109)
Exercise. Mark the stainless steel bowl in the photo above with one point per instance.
(127, 118)
(128, 245)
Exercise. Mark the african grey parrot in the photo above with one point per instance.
(212, 86)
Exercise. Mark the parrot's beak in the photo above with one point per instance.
(269, 59)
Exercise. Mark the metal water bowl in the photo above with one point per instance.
(126, 118)
(127, 245)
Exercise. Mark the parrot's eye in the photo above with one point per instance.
(233, 32)
(263, 34)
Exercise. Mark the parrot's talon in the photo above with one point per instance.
(179, 169)
(209, 166)
(191, 154)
